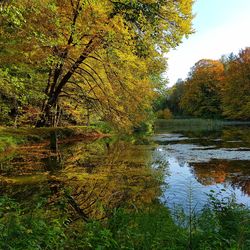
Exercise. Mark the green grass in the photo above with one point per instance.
(221, 225)
(7, 141)
(191, 124)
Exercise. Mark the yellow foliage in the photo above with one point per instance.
(100, 54)
(164, 114)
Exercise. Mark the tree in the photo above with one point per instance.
(236, 91)
(98, 55)
(202, 90)
(175, 96)
(21, 79)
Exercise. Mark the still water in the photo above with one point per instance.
(178, 167)
(200, 162)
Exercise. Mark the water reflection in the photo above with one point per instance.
(203, 160)
(235, 173)
(91, 177)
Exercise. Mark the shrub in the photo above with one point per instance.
(164, 114)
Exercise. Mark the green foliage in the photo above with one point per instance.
(7, 142)
(144, 128)
(19, 97)
(124, 230)
(174, 98)
(103, 127)
(22, 230)
(223, 224)
(94, 235)
(150, 228)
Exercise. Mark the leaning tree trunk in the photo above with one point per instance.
(50, 114)
(58, 80)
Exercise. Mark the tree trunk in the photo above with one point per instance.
(49, 116)
(59, 82)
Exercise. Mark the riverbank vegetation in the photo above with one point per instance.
(193, 124)
(12, 137)
(197, 124)
(221, 225)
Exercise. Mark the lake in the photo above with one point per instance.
(204, 161)
(178, 166)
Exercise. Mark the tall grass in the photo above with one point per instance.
(189, 124)
(194, 124)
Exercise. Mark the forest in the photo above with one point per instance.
(74, 63)
(217, 89)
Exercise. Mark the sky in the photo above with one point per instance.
(221, 27)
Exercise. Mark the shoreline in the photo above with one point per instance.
(10, 138)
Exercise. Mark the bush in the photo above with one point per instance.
(164, 114)
(223, 224)
(22, 230)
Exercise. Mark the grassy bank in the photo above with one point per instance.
(219, 226)
(194, 124)
(11, 137)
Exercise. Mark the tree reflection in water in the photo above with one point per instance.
(235, 173)
(91, 178)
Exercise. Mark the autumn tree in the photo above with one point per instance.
(236, 91)
(174, 97)
(21, 82)
(202, 89)
(215, 89)
(98, 55)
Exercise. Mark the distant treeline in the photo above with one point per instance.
(213, 89)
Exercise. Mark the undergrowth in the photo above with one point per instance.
(222, 224)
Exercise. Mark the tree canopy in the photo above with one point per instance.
(215, 89)
(201, 96)
(89, 57)
(236, 90)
